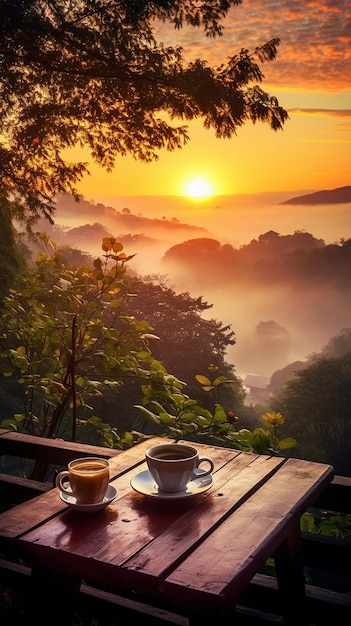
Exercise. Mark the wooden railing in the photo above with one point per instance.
(324, 558)
(50, 452)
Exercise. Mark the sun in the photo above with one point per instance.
(198, 188)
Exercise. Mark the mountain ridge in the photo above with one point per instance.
(340, 195)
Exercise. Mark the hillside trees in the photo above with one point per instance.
(11, 256)
(272, 259)
(316, 405)
(93, 74)
(189, 342)
(69, 340)
(271, 342)
(339, 345)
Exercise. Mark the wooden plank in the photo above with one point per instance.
(115, 533)
(14, 481)
(104, 546)
(218, 571)
(55, 451)
(290, 576)
(15, 490)
(233, 485)
(121, 480)
(29, 515)
(123, 528)
(262, 592)
(117, 545)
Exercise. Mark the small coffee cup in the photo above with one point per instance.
(87, 479)
(173, 465)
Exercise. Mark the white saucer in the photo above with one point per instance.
(144, 483)
(71, 500)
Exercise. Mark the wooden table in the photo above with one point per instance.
(195, 556)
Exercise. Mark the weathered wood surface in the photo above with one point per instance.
(18, 520)
(198, 553)
(226, 561)
(180, 531)
(120, 530)
(53, 450)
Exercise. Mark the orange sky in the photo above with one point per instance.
(310, 77)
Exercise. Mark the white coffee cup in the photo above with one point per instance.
(173, 465)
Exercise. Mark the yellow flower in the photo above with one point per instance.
(273, 419)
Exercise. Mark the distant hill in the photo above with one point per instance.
(328, 196)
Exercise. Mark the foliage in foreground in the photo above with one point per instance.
(66, 339)
(327, 523)
(182, 417)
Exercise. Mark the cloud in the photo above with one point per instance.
(341, 118)
(343, 113)
(315, 41)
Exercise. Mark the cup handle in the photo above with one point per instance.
(61, 480)
(205, 459)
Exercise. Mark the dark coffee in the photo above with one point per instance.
(174, 456)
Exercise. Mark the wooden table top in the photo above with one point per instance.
(198, 553)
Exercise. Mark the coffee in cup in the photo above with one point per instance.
(173, 465)
(87, 478)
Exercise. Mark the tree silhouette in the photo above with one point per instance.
(12, 255)
(316, 404)
(91, 73)
(339, 345)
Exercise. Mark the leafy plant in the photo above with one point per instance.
(327, 523)
(181, 417)
(272, 421)
(65, 338)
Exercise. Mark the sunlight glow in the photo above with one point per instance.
(198, 188)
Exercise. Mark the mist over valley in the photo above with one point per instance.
(277, 274)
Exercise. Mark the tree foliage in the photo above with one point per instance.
(339, 345)
(190, 340)
(65, 338)
(298, 259)
(316, 405)
(11, 256)
(91, 73)
(73, 336)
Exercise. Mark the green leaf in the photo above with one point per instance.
(203, 380)
(7, 371)
(219, 380)
(166, 418)
(329, 530)
(8, 423)
(260, 441)
(187, 417)
(287, 442)
(220, 415)
(18, 417)
(307, 523)
(339, 520)
(144, 354)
